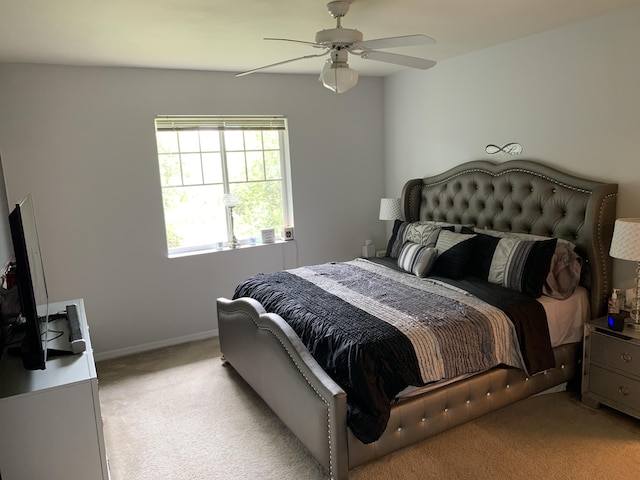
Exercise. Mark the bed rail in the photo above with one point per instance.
(271, 358)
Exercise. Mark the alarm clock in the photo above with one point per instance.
(615, 322)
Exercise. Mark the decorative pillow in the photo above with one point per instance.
(417, 259)
(454, 251)
(565, 269)
(423, 233)
(564, 272)
(514, 263)
(397, 239)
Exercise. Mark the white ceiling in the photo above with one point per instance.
(228, 35)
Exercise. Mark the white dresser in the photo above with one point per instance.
(50, 422)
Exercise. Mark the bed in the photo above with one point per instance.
(479, 199)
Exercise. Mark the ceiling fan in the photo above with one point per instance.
(339, 42)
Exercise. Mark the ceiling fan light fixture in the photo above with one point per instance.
(339, 78)
(336, 75)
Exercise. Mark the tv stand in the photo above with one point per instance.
(50, 421)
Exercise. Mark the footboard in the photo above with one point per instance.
(268, 354)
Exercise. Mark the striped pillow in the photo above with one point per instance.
(417, 259)
(517, 264)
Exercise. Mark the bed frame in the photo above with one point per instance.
(517, 196)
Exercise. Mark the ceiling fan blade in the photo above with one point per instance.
(313, 44)
(279, 63)
(392, 42)
(397, 59)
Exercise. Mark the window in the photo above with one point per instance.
(203, 158)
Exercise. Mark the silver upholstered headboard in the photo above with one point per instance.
(525, 197)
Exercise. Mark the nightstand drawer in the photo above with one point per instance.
(614, 353)
(616, 388)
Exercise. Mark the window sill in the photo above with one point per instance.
(228, 249)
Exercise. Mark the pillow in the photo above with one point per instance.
(514, 263)
(394, 245)
(423, 233)
(454, 251)
(417, 259)
(564, 271)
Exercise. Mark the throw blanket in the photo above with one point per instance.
(376, 331)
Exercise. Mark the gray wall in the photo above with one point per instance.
(82, 141)
(570, 96)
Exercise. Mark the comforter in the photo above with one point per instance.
(376, 330)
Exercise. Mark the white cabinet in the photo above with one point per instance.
(50, 421)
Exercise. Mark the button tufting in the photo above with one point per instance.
(399, 429)
(468, 401)
(423, 419)
(446, 409)
(508, 386)
(488, 394)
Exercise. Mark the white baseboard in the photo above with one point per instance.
(122, 352)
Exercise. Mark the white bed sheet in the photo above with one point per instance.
(564, 317)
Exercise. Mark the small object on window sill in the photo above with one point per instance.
(287, 233)
(381, 253)
(268, 235)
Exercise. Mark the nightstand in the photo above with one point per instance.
(611, 367)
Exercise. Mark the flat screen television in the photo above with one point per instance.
(32, 288)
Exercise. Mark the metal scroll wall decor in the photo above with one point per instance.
(510, 148)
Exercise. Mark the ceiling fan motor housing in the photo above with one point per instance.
(337, 37)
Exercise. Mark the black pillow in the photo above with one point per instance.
(454, 252)
(521, 265)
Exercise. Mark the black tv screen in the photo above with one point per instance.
(32, 288)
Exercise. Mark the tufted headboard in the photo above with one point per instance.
(525, 197)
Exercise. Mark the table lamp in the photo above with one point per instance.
(230, 201)
(390, 209)
(625, 245)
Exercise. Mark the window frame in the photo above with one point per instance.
(222, 124)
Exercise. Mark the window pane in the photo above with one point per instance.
(255, 166)
(233, 140)
(210, 140)
(194, 216)
(236, 167)
(273, 170)
(253, 140)
(271, 139)
(191, 169)
(167, 142)
(212, 167)
(259, 206)
(170, 170)
(189, 141)
(198, 164)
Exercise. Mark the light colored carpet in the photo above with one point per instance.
(178, 414)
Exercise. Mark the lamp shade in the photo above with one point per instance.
(339, 78)
(230, 200)
(390, 209)
(625, 243)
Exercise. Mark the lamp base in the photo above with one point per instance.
(634, 314)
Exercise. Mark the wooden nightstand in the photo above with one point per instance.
(611, 367)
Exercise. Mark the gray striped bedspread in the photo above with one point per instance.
(376, 330)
